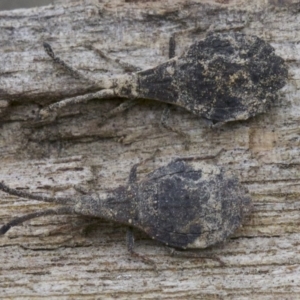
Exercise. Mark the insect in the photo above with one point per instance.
(184, 204)
(225, 77)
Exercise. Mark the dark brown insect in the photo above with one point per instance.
(183, 204)
(226, 77)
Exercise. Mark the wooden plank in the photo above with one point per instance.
(64, 257)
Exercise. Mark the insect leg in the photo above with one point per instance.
(193, 254)
(130, 245)
(164, 122)
(65, 210)
(61, 63)
(166, 112)
(43, 117)
(129, 239)
(132, 173)
(49, 113)
(128, 68)
(216, 155)
(127, 104)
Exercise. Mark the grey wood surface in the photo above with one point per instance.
(64, 257)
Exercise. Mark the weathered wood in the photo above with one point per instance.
(64, 256)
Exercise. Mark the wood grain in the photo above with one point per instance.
(64, 257)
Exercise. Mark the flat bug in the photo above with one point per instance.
(184, 204)
(225, 77)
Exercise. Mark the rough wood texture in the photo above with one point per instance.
(64, 257)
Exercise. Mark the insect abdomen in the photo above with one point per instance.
(187, 210)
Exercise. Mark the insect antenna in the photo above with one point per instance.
(15, 192)
(65, 210)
